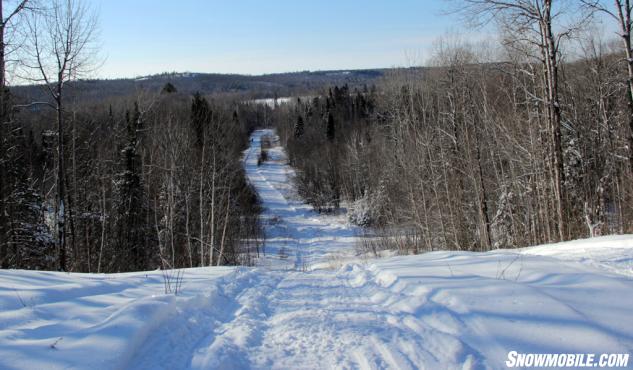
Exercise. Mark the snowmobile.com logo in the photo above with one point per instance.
(567, 360)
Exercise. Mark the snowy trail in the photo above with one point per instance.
(290, 315)
(321, 320)
(309, 239)
(311, 304)
(418, 312)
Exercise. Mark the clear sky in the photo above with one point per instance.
(141, 37)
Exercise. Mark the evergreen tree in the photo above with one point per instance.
(132, 252)
(30, 240)
(200, 117)
(299, 127)
(169, 88)
(330, 130)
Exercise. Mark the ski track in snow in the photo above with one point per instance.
(312, 304)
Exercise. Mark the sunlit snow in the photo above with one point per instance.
(313, 303)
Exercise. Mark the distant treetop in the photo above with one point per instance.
(169, 88)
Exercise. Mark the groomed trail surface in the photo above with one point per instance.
(296, 236)
(311, 304)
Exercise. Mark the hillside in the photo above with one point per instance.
(266, 86)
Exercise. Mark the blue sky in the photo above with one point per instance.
(140, 37)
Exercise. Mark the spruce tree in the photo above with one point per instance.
(299, 128)
(200, 117)
(132, 251)
(330, 130)
(31, 243)
(169, 88)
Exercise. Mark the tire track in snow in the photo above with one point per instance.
(321, 318)
(327, 319)
(190, 323)
(270, 195)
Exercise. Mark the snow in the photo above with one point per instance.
(319, 306)
(51, 320)
(309, 239)
(271, 102)
(611, 253)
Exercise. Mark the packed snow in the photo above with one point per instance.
(312, 303)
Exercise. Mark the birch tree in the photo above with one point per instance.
(533, 21)
(620, 12)
(61, 47)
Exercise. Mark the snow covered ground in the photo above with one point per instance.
(271, 102)
(296, 236)
(310, 304)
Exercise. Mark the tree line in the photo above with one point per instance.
(142, 181)
(492, 146)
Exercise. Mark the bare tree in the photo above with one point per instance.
(62, 48)
(621, 13)
(7, 22)
(533, 22)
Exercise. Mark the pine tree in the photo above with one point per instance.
(30, 239)
(200, 117)
(330, 130)
(133, 251)
(299, 128)
(169, 88)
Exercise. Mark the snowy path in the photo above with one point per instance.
(310, 304)
(442, 310)
(296, 236)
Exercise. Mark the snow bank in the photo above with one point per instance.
(610, 253)
(496, 302)
(51, 320)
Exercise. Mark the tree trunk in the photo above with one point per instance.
(483, 200)
(3, 172)
(625, 24)
(212, 246)
(554, 114)
(103, 226)
(226, 222)
(61, 190)
(187, 228)
(201, 206)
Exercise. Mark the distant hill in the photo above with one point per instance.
(262, 86)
